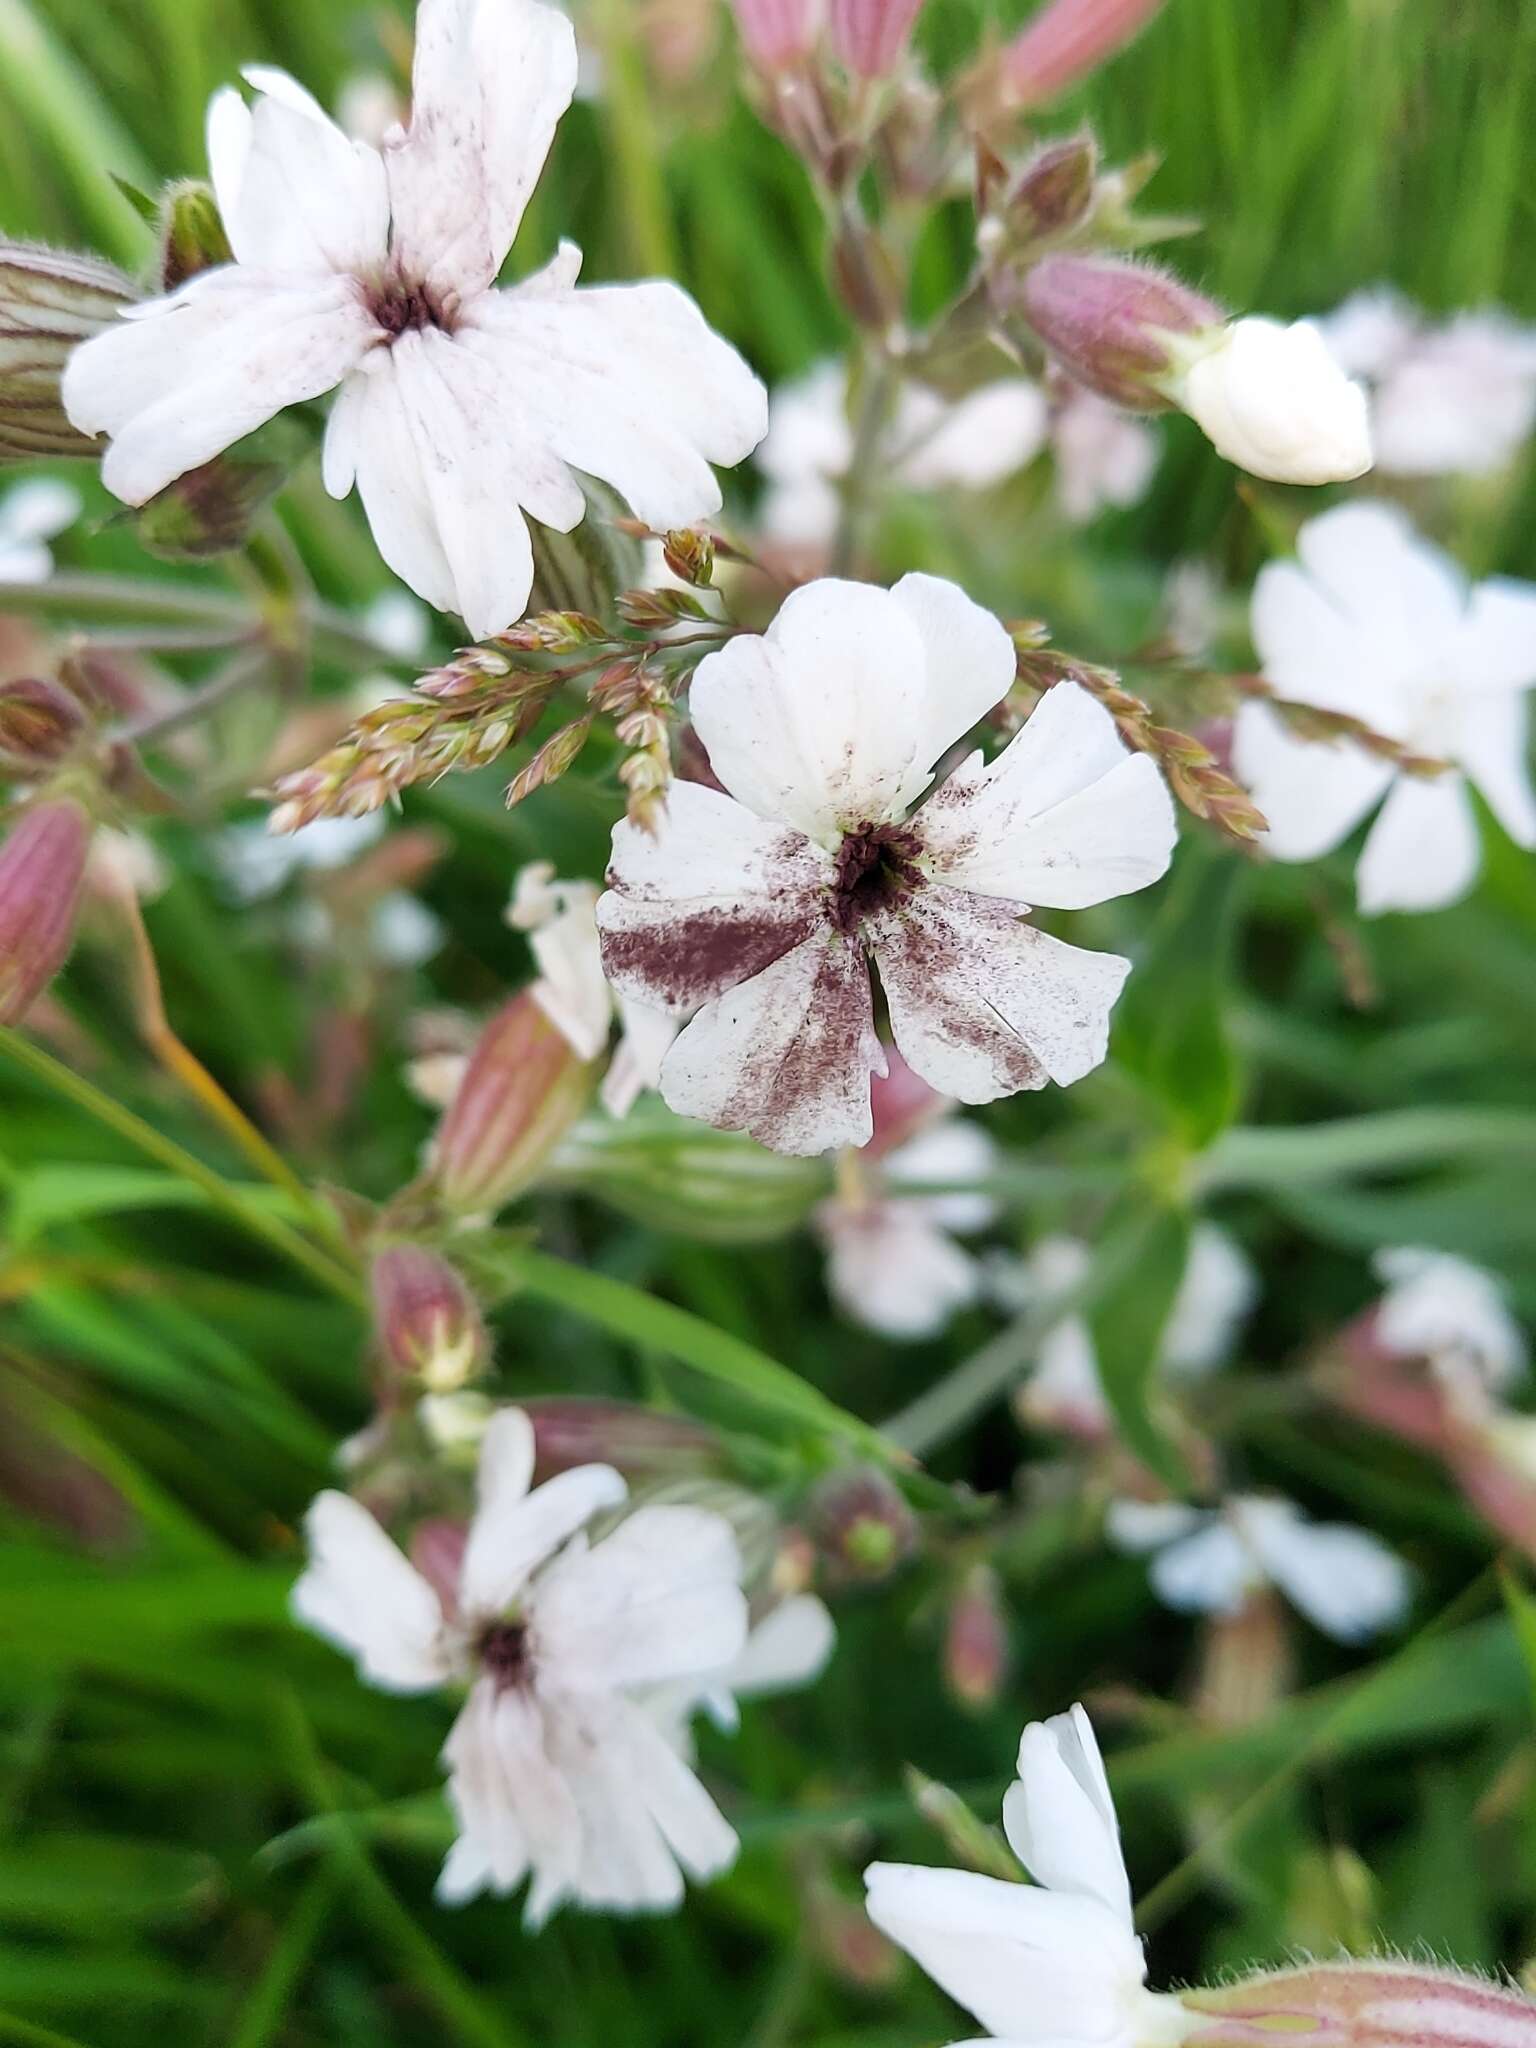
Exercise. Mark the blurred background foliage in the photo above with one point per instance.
(177, 1764)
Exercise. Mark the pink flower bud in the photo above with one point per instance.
(437, 1551)
(522, 1091)
(427, 1322)
(42, 870)
(900, 1102)
(1108, 322)
(778, 33)
(39, 722)
(870, 35)
(1066, 41)
(862, 1525)
(572, 1431)
(1054, 190)
(1365, 2004)
(976, 1640)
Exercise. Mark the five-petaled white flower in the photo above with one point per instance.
(1343, 1579)
(765, 905)
(559, 1767)
(574, 993)
(1048, 1965)
(461, 406)
(1375, 623)
(1450, 1312)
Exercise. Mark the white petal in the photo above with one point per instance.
(561, 923)
(38, 509)
(192, 374)
(1313, 650)
(1218, 1289)
(659, 1598)
(1312, 793)
(492, 1850)
(786, 1056)
(1031, 1965)
(892, 1268)
(1495, 646)
(1060, 1817)
(1064, 1390)
(435, 440)
(627, 383)
(514, 1531)
(788, 1648)
(953, 1149)
(1210, 1572)
(1065, 816)
(1344, 1579)
(825, 721)
(1139, 1526)
(1423, 852)
(973, 442)
(983, 1004)
(710, 899)
(362, 1594)
(294, 194)
(646, 1039)
(970, 659)
(1439, 1307)
(808, 434)
(490, 82)
(1492, 747)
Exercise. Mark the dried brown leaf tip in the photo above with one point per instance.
(1194, 775)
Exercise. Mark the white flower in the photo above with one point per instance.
(1451, 1312)
(1343, 1579)
(892, 1260)
(1452, 400)
(558, 1771)
(460, 405)
(931, 444)
(31, 515)
(765, 906)
(1049, 1965)
(1374, 622)
(560, 919)
(399, 624)
(1273, 400)
(402, 931)
(1064, 1391)
(254, 863)
(1104, 457)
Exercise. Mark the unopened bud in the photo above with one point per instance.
(776, 34)
(50, 301)
(581, 570)
(976, 1640)
(428, 1325)
(680, 1176)
(640, 1443)
(870, 35)
(42, 870)
(522, 1091)
(862, 1526)
(1364, 2004)
(1274, 401)
(1066, 41)
(901, 1103)
(973, 1843)
(211, 510)
(1111, 322)
(1053, 192)
(40, 722)
(192, 235)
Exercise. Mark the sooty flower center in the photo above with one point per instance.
(505, 1654)
(876, 869)
(401, 307)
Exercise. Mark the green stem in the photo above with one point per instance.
(869, 430)
(1315, 1153)
(950, 1403)
(626, 103)
(85, 1095)
(86, 600)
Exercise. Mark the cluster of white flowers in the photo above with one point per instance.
(1453, 398)
(584, 1653)
(1373, 622)
(1103, 457)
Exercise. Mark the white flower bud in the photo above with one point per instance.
(1274, 401)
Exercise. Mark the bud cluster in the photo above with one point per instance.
(50, 301)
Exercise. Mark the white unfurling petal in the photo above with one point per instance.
(1274, 401)
(361, 1593)
(1060, 1817)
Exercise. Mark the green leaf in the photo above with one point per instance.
(1130, 1296)
(1522, 1612)
(74, 1881)
(1170, 1026)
